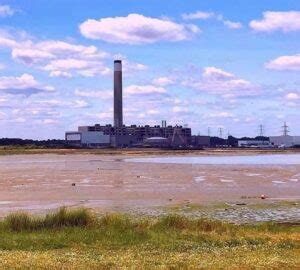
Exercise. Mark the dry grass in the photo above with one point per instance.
(76, 239)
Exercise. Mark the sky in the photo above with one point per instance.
(231, 64)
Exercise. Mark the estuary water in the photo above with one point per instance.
(266, 159)
(42, 182)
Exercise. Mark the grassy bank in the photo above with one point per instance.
(78, 240)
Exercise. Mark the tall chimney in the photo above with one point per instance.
(118, 104)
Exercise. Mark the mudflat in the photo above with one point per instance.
(105, 182)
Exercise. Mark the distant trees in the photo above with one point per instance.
(32, 143)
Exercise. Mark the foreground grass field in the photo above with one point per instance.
(76, 239)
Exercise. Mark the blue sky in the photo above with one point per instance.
(230, 64)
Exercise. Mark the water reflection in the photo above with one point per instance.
(272, 159)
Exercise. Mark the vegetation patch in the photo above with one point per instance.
(63, 218)
(77, 239)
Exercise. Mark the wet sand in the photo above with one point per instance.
(40, 182)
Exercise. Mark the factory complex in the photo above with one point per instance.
(120, 135)
(283, 141)
(162, 136)
(129, 136)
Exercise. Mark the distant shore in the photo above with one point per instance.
(15, 150)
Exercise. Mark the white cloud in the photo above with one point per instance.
(50, 121)
(289, 62)
(2, 66)
(104, 116)
(7, 42)
(221, 115)
(19, 120)
(59, 58)
(213, 73)
(53, 103)
(61, 47)
(29, 52)
(58, 73)
(30, 56)
(94, 71)
(25, 84)
(250, 119)
(179, 109)
(144, 90)
(6, 11)
(163, 81)
(129, 67)
(285, 21)
(83, 67)
(62, 59)
(79, 103)
(203, 15)
(200, 15)
(232, 25)
(66, 64)
(136, 29)
(153, 112)
(103, 94)
(217, 81)
(2, 115)
(292, 96)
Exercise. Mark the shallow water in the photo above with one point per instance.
(41, 183)
(273, 159)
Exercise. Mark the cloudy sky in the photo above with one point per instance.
(233, 64)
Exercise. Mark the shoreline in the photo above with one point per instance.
(142, 151)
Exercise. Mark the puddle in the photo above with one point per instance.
(226, 181)
(5, 202)
(265, 159)
(86, 181)
(278, 182)
(252, 174)
(199, 179)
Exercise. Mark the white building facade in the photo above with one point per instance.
(88, 138)
(285, 141)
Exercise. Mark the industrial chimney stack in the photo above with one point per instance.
(118, 104)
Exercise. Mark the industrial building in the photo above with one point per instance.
(254, 143)
(285, 141)
(87, 139)
(200, 141)
(120, 135)
(127, 136)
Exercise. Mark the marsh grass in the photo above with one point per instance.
(63, 218)
(77, 239)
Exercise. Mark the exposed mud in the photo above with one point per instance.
(37, 183)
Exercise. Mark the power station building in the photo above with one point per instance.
(120, 135)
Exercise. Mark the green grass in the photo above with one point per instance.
(77, 239)
(62, 218)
